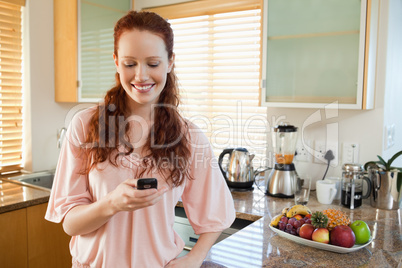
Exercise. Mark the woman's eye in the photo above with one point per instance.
(153, 65)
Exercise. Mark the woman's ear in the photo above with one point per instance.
(171, 62)
(116, 62)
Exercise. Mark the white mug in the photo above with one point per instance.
(326, 191)
(337, 181)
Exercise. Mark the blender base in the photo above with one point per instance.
(281, 180)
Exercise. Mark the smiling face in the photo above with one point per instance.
(143, 65)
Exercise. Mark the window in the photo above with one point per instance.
(11, 94)
(218, 66)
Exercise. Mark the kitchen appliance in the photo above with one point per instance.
(352, 185)
(385, 191)
(280, 182)
(239, 172)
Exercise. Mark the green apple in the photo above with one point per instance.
(362, 231)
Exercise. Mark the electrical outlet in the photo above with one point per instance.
(389, 136)
(350, 152)
(303, 154)
(319, 151)
(321, 148)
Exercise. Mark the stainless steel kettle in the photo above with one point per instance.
(239, 172)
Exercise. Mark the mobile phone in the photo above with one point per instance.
(147, 183)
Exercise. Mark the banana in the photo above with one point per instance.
(275, 220)
(285, 210)
(298, 209)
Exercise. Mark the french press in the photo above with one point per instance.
(352, 185)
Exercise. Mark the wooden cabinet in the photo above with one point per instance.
(48, 244)
(319, 52)
(28, 240)
(65, 50)
(83, 47)
(13, 239)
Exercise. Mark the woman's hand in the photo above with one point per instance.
(84, 219)
(126, 196)
(185, 262)
(197, 254)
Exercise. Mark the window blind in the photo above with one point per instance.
(218, 66)
(11, 94)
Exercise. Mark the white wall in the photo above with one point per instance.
(393, 78)
(46, 115)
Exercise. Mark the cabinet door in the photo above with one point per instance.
(96, 72)
(65, 50)
(13, 239)
(48, 244)
(314, 53)
(83, 47)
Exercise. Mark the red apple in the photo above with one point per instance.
(321, 235)
(343, 236)
(306, 231)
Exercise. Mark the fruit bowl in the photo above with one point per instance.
(318, 245)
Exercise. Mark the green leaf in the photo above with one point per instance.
(399, 181)
(393, 158)
(382, 161)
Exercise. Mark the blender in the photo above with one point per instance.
(283, 175)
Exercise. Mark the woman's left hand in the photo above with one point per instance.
(196, 256)
(185, 262)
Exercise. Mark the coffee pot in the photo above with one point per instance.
(386, 192)
(352, 185)
(239, 172)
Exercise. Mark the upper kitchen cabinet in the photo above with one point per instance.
(319, 52)
(83, 48)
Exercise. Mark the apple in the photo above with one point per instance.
(342, 236)
(306, 231)
(321, 235)
(362, 231)
(298, 217)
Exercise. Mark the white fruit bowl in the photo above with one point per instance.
(318, 245)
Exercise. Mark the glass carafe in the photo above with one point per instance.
(352, 185)
(284, 143)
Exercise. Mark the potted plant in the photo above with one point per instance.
(386, 182)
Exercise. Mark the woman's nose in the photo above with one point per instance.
(142, 73)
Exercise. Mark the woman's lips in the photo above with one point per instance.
(143, 88)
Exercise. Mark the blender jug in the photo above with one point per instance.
(284, 143)
(281, 179)
(352, 185)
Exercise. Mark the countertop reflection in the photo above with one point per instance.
(14, 196)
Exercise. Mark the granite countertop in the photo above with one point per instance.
(258, 246)
(14, 196)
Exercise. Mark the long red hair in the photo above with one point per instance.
(167, 146)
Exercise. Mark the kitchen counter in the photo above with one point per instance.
(14, 196)
(258, 246)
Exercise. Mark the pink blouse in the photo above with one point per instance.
(145, 237)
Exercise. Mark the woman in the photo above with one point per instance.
(136, 133)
